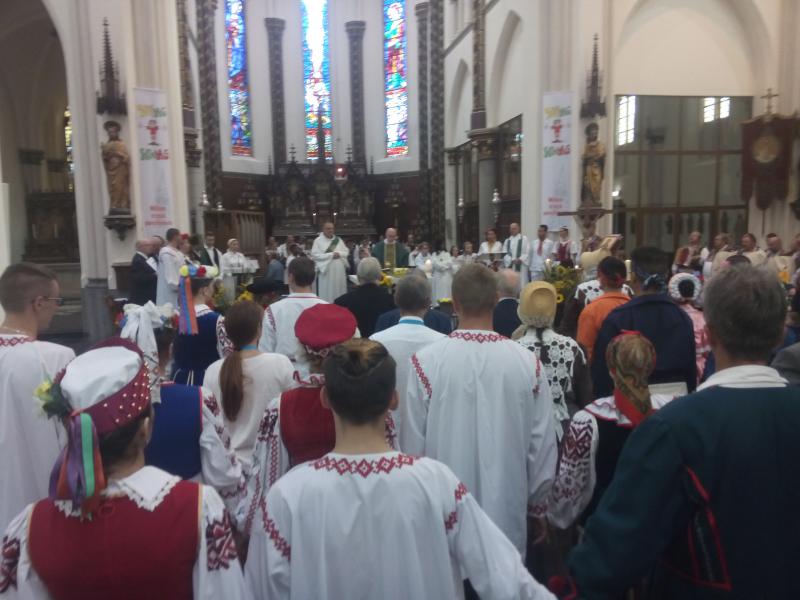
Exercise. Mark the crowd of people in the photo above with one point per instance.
(459, 430)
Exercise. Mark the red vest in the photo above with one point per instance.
(124, 552)
(307, 428)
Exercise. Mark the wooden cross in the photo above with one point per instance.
(768, 97)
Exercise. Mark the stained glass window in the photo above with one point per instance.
(395, 82)
(316, 75)
(68, 144)
(238, 93)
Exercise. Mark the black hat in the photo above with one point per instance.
(262, 285)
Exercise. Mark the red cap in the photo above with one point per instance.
(323, 326)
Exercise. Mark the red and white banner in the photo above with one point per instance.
(557, 112)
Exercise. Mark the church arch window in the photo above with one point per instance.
(395, 69)
(238, 90)
(316, 76)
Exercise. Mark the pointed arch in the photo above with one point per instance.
(454, 104)
(510, 35)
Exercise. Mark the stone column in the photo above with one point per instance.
(422, 10)
(484, 142)
(478, 117)
(451, 207)
(437, 117)
(209, 107)
(355, 39)
(275, 29)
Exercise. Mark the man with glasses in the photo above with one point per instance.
(29, 444)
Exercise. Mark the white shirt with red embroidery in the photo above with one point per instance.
(29, 442)
(384, 525)
(481, 404)
(574, 486)
(270, 459)
(277, 332)
(216, 572)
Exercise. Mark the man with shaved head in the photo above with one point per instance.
(516, 251)
(389, 252)
(144, 274)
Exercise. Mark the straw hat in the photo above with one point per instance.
(537, 306)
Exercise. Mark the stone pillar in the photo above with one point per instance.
(355, 39)
(209, 106)
(275, 29)
(422, 11)
(454, 234)
(484, 142)
(437, 118)
(478, 117)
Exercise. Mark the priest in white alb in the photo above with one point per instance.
(330, 253)
(517, 253)
(29, 444)
(365, 521)
(481, 404)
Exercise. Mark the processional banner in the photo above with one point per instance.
(556, 196)
(155, 176)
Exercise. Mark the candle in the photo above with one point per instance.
(628, 269)
(547, 264)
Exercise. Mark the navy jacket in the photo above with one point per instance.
(662, 322)
(506, 319)
(435, 319)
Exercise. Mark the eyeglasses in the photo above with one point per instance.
(58, 301)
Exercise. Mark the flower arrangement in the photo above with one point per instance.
(245, 296)
(564, 279)
(386, 281)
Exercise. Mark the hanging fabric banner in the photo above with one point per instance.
(556, 158)
(155, 177)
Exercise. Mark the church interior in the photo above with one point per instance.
(266, 118)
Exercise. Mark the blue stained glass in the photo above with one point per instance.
(238, 92)
(395, 67)
(316, 75)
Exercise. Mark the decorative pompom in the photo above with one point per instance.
(51, 400)
(192, 271)
(201, 271)
(184, 271)
(212, 272)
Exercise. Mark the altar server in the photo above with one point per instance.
(330, 253)
(517, 251)
(365, 521)
(29, 295)
(541, 251)
(112, 527)
(481, 404)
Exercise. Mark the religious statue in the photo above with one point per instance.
(117, 164)
(594, 162)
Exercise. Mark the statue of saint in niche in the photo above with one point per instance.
(594, 163)
(117, 163)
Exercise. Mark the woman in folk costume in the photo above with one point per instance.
(188, 439)
(562, 357)
(296, 427)
(443, 270)
(366, 521)
(113, 527)
(685, 289)
(232, 263)
(201, 338)
(597, 433)
(246, 380)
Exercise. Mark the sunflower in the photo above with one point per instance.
(559, 298)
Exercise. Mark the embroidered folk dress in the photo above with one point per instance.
(277, 331)
(564, 355)
(294, 429)
(194, 353)
(481, 404)
(49, 551)
(331, 272)
(592, 446)
(590, 290)
(29, 443)
(386, 525)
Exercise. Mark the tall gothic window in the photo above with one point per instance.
(68, 144)
(395, 82)
(316, 76)
(238, 92)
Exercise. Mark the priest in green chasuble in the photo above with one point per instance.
(389, 252)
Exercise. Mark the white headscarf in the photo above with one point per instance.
(140, 323)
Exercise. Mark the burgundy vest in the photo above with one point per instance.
(307, 428)
(124, 552)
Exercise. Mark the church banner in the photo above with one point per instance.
(556, 197)
(155, 176)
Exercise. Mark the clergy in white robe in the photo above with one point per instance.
(364, 521)
(330, 253)
(517, 253)
(541, 251)
(481, 404)
(28, 442)
(170, 260)
(443, 269)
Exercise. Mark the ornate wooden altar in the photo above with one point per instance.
(52, 228)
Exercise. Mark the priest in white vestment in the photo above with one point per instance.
(413, 297)
(277, 332)
(170, 261)
(365, 521)
(481, 404)
(517, 253)
(330, 253)
(29, 444)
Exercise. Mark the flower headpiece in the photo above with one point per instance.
(187, 323)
